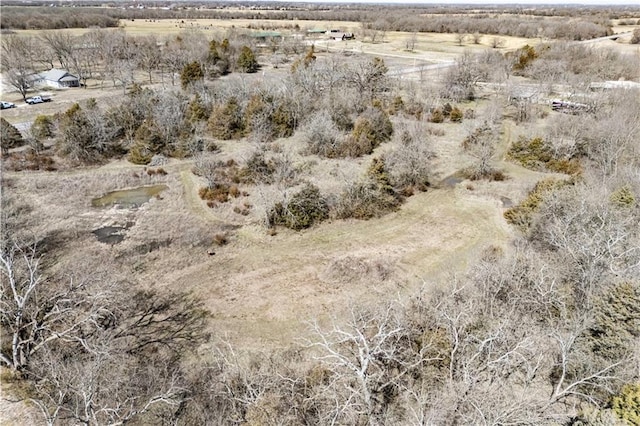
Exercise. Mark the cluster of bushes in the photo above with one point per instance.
(221, 58)
(143, 125)
(372, 197)
(223, 180)
(410, 108)
(561, 62)
(375, 196)
(263, 116)
(522, 58)
(10, 136)
(447, 112)
(522, 215)
(148, 123)
(219, 193)
(537, 154)
(29, 159)
(326, 138)
(304, 209)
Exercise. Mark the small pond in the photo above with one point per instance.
(129, 198)
(452, 180)
(112, 234)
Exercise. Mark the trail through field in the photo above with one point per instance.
(194, 203)
(262, 289)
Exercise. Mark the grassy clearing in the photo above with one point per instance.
(261, 288)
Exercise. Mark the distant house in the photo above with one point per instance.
(59, 78)
(265, 36)
(316, 33)
(339, 35)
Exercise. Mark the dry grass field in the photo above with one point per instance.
(261, 289)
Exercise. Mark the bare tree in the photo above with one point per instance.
(61, 44)
(597, 240)
(16, 63)
(497, 42)
(481, 145)
(461, 79)
(410, 43)
(148, 58)
(409, 163)
(460, 38)
(34, 312)
(368, 78)
(367, 358)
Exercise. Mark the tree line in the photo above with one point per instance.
(584, 24)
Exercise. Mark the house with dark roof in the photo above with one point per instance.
(59, 78)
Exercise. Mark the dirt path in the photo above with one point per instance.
(190, 193)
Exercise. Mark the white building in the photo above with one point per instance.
(59, 79)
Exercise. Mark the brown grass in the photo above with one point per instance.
(263, 285)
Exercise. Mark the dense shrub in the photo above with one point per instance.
(257, 169)
(536, 154)
(617, 323)
(84, 136)
(374, 197)
(456, 115)
(197, 110)
(371, 128)
(42, 127)
(219, 193)
(523, 57)
(267, 118)
(226, 120)
(190, 74)
(284, 122)
(437, 116)
(626, 405)
(10, 136)
(623, 197)
(305, 208)
(247, 60)
(139, 153)
(522, 214)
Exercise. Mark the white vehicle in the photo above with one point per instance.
(7, 105)
(38, 100)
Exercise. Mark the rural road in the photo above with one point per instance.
(419, 68)
(611, 37)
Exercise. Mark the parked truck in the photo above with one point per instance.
(38, 99)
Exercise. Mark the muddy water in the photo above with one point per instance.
(452, 180)
(110, 234)
(129, 198)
